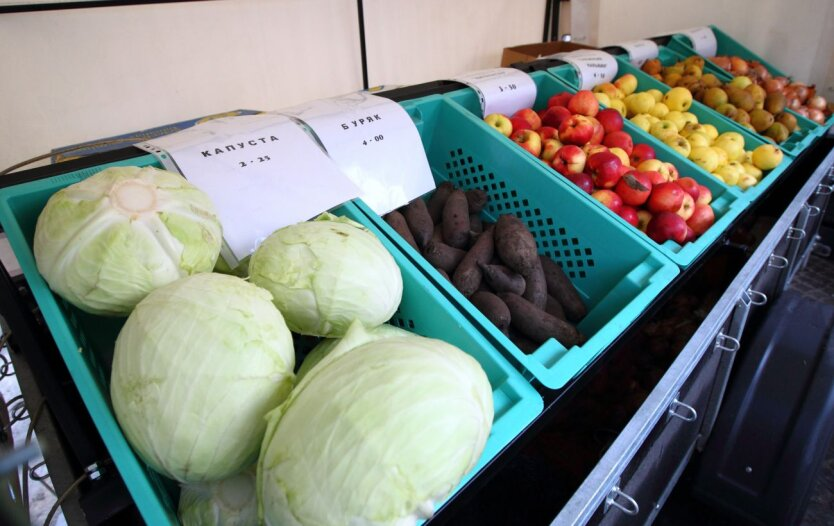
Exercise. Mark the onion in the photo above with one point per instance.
(783, 81)
(817, 102)
(802, 110)
(772, 85)
(761, 71)
(739, 65)
(801, 91)
(793, 102)
(816, 115)
(723, 62)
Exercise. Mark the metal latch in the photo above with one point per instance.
(629, 506)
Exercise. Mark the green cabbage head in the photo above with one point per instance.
(227, 502)
(374, 434)
(326, 273)
(196, 367)
(105, 242)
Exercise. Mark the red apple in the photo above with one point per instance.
(609, 199)
(640, 153)
(619, 139)
(549, 149)
(554, 116)
(630, 215)
(591, 149)
(673, 171)
(548, 132)
(611, 120)
(704, 195)
(666, 197)
(605, 168)
(643, 218)
(634, 188)
(655, 178)
(690, 235)
(529, 140)
(500, 122)
(584, 102)
(530, 116)
(576, 129)
(520, 123)
(582, 180)
(667, 225)
(687, 206)
(599, 132)
(569, 159)
(690, 186)
(701, 219)
(560, 99)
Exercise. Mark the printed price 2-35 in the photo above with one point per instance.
(263, 159)
(376, 138)
(508, 87)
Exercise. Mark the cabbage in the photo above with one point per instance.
(227, 502)
(374, 434)
(196, 367)
(325, 273)
(104, 243)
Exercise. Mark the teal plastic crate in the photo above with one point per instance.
(86, 344)
(611, 264)
(707, 115)
(729, 46)
(727, 202)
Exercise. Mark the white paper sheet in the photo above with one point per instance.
(703, 40)
(592, 66)
(501, 90)
(639, 51)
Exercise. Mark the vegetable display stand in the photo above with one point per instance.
(611, 264)
(726, 203)
(86, 343)
(706, 115)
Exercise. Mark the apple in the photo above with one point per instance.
(697, 140)
(529, 140)
(584, 103)
(577, 129)
(638, 103)
(569, 159)
(655, 165)
(767, 157)
(665, 197)
(619, 139)
(666, 225)
(609, 199)
(548, 132)
(663, 129)
(703, 216)
(746, 181)
(690, 186)
(672, 170)
(530, 116)
(659, 110)
(704, 195)
(610, 119)
(500, 122)
(679, 144)
(610, 90)
(655, 177)
(640, 153)
(520, 123)
(619, 152)
(591, 149)
(642, 121)
(549, 149)
(704, 156)
(560, 99)
(678, 99)
(554, 116)
(687, 206)
(617, 104)
(643, 218)
(599, 132)
(582, 180)
(627, 83)
(629, 214)
(605, 168)
(634, 188)
(690, 235)
(603, 99)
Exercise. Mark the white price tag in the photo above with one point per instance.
(262, 172)
(592, 66)
(703, 40)
(501, 90)
(639, 51)
(375, 144)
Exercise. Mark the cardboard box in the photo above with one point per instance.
(529, 52)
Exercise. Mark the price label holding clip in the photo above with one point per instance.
(703, 40)
(501, 90)
(374, 143)
(639, 51)
(262, 172)
(592, 66)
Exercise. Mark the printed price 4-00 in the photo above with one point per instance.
(244, 164)
(376, 138)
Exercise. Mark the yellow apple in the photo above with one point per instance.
(734, 136)
(712, 131)
(723, 158)
(690, 118)
(741, 82)
(656, 93)
(678, 99)
(746, 181)
(627, 83)
(728, 174)
(697, 140)
(653, 165)
(752, 170)
(619, 152)
(642, 121)
(767, 157)
(652, 118)
(603, 99)
(618, 105)
(705, 157)
(734, 149)
(679, 144)
(638, 103)
(609, 89)
(676, 117)
(659, 110)
(663, 129)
